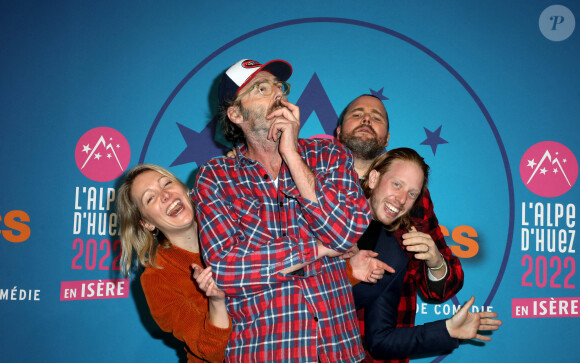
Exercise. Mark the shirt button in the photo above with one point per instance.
(281, 204)
(266, 176)
(284, 234)
(316, 319)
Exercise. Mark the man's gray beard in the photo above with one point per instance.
(363, 149)
(259, 126)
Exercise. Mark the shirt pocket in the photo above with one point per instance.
(246, 210)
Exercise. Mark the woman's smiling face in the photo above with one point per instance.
(162, 202)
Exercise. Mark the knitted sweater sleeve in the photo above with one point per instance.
(187, 317)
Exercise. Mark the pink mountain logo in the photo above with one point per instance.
(549, 169)
(102, 154)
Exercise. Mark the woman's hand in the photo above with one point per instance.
(206, 282)
(218, 314)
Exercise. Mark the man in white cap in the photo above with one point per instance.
(272, 221)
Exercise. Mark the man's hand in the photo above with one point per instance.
(350, 252)
(324, 251)
(285, 128)
(366, 268)
(465, 324)
(423, 246)
(231, 154)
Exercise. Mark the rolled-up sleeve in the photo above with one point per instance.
(341, 214)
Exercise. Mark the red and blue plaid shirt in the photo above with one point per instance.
(423, 217)
(250, 230)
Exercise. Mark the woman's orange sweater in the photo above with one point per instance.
(178, 306)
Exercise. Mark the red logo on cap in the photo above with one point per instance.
(251, 64)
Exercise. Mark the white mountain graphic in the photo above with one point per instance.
(102, 143)
(548, 156)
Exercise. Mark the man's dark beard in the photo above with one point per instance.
(363, 149)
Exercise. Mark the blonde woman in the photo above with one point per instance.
(159, 232)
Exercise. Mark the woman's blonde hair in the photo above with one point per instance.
(382, 164)
(134, 237)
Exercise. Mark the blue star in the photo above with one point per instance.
(197, 141)
(433, 139)
(378, 94)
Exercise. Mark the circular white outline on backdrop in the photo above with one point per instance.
(563, 30)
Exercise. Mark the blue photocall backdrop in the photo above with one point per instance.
(488, 92)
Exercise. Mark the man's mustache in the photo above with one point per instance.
(364, 126)
(276, 105)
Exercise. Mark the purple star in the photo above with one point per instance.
(378, 94)
(433, 139)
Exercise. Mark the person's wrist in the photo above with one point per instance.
(438, 267)
(448, 325)
(323, 251)
(216, 300)
(291, 156)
